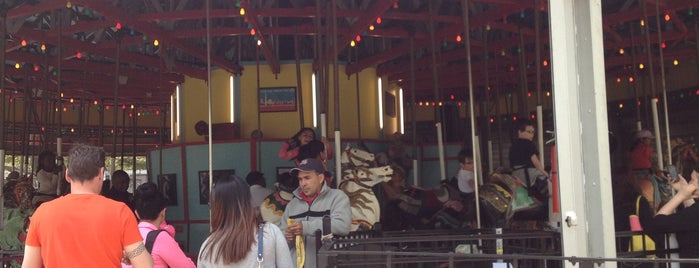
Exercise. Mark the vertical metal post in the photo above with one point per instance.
(581, 128)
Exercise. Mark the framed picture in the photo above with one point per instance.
(167, 185)
(277, 99)
(283, 170)
(204, 182)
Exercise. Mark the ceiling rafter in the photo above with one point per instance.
(252, 17)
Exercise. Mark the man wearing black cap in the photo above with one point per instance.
(258, 190)
(312, 200)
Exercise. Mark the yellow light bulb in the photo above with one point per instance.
(17, 65)
(352, 43)
(621, 51)
(371, 27)
(156, 43)
(242, 11)
(643, 23)
(675, 62)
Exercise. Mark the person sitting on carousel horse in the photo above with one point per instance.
(46, 179)
(524, 156)
(641, 153)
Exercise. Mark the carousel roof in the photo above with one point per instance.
(85, 38)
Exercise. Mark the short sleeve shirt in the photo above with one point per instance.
(521, 152)
(82, 230)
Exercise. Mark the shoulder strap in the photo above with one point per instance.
(260, 234)
(150, 239)
(638, 202)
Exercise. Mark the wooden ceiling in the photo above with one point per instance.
(82, 38)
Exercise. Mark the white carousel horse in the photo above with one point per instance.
(357, 183)
(355, 157)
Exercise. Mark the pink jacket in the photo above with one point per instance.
(166, 252)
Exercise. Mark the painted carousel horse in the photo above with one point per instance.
(357, 183)
(273, 206)
(358, 178)
(503, 198)
(355, 157)
(426, 208)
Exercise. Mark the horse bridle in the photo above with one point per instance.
(351, 157)
(356, 180)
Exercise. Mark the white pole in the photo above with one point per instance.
(338, 156)
(477, 176)
(323, 126)
(416, 171)
(59, 146)
(440, 146)
(667, 129)
(490, 156)
(656, 130)
(540, 132)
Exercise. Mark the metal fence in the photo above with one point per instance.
(475, 248)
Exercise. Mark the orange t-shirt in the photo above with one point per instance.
(82, 230)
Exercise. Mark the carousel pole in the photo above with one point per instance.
(653, 104)
(336, 97)
(485, 107)
(3, 32)
(539, 96)
(161, 110)
(359, 106)
(208, 87)
(134, 120)
(523, 104)
(474, 136)
(497, 114)
(635, 88)
(435, 80)
(413, 112)
(663, 84)
(318, 53)
(59, 86)
(115, 115)
(123, 138)
(25, 129)
(259, 114)
(299, 92)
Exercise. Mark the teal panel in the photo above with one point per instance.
(430, 173)
(172, 164)
(198, 233)
(224, 156)
(270, 161)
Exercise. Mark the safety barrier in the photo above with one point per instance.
(474, 248)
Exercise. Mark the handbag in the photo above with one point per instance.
(639, 242)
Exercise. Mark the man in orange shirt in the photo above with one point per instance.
(83, 228)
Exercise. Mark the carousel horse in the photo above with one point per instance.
(273, 206)
(357, 183)
(358, 178)
(440, 206)
(355, 157)
(504, 199)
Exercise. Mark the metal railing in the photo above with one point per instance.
(475, 248)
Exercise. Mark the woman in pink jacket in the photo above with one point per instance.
(150, 210)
